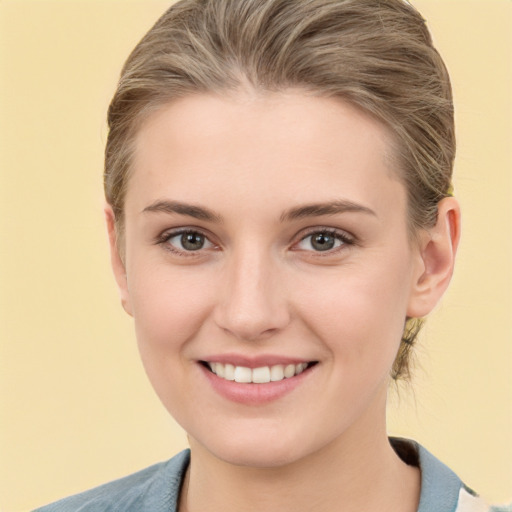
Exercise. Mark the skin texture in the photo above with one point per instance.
(258, 288)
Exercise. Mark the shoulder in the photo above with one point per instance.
(441, 489)
(153, 489)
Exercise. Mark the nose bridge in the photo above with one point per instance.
(253, 304)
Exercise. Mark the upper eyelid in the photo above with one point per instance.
(172, 232)
(332, 231)
(164, 238)
(166, 234)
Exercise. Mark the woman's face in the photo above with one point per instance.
(268, 232)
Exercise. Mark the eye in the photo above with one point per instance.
(186, 241)
(322, 241)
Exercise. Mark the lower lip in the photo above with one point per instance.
(254, 394)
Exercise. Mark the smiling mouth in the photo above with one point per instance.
(261, 375)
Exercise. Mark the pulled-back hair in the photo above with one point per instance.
(375, 54)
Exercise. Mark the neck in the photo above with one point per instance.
(352, 473)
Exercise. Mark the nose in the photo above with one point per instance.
(252, 302)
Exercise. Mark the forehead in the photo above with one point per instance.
(307, 147)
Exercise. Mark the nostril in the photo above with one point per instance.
(246, 332)
(251, 307)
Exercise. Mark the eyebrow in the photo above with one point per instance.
(330, 208)
(299, 212)
(198, 212)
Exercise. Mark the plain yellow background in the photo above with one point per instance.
(76, 409)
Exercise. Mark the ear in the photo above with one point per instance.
(118, 265)
(437, 249)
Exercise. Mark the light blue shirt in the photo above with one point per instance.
(156, 489)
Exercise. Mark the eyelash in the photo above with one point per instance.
(341, 236)
(165, 237)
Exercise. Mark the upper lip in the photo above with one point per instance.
(254, 361)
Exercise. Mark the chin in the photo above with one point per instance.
(257, 448)
(258, 456)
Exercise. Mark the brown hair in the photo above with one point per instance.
(376, 54)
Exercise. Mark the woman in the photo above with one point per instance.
(278, 180)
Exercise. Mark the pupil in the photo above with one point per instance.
(322, 242)
(192, 241)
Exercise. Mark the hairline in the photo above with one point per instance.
(391, 155)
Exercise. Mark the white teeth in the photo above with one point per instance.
(243, 374)
(301, 367)
(289, 370)
(229, 371)
(259, 375)
(220, 370)
(277, 372)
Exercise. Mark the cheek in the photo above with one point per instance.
(169, 309)
(360, 314)
(169, 304)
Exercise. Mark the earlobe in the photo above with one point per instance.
(118, 265)
(438, 247)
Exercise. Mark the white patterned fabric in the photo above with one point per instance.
(469, 503)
